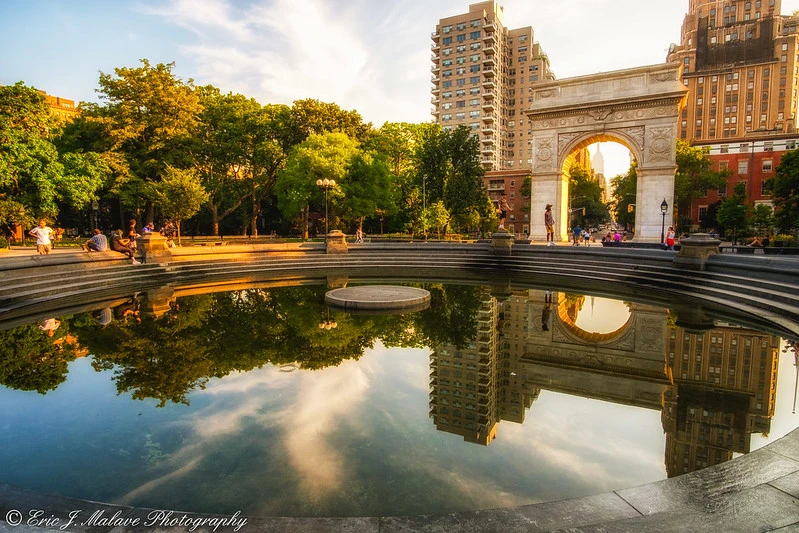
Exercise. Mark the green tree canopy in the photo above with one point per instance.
(624, 194)
(180, 194)
(586, 192)
(732, 212)
(785, 191)
(694, 177)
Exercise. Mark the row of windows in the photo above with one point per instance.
(461, 37)
(461, 26)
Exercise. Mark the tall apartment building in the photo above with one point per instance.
(483, 72)
(741, 65)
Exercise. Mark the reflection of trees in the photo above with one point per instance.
(30, 360)
(215, 334)
(451, 317)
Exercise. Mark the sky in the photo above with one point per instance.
(373, 56)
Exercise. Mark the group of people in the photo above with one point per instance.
(126, 243)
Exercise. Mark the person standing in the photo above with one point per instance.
(503, 210)
(549, 222)
(44, 235)
(670, 238)
(577, 233)
(132, 234)
(359, 235)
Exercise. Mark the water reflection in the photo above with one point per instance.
(715, 387)
(236, 378)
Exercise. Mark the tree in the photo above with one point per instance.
(180, 194)
(367, 187)
(585, 192)
(784, 188)
(624, 193)
(33, 177)
(694, 177)
(732, 212)
(762, 219)
(437, 216)
(318, 157)
(148, 117)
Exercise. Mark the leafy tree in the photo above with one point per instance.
(33, 178)
(180, 194)
(624, 193)
(437, 216)
(694, 176)
(585, 192)
(312, 117)
(784, 188)
(367, 187)
(148, 117)
(464, 187)
(732, 212)
(319, 157)
(762, 219)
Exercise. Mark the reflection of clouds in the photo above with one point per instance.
(155, 483)
(325, 401)
(605, 445)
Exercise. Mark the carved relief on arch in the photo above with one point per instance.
(544, 152)
(636, 135)
(661, 141)
(600, 114)
(565, 140)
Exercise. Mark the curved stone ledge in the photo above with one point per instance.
(756, 492)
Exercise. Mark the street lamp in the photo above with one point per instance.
(328, 324)
(424, 207)
(95, 209)
(326, 184)
(664, 206)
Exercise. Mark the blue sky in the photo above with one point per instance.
(368, 55)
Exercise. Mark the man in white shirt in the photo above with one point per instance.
(44, 235)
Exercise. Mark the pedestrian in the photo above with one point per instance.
(503, 210)
(44, 235)
(586, 237)
(120, 244)
(549, 222)
(359, 235)
(670, 238)
(577, 234)
(148, 228)
(98, 242)
(617, 236)
(132, 234)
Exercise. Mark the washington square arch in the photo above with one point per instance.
(638, 108)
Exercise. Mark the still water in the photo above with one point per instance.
(265, 402)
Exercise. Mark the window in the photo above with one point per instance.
(446, 94)
(474, 46)
(447, 116)
(723, 190)
(767, 166)
(474, 35)
(723, 165)
(474, 80)
(461, 26)
(461, 38)
(474, 57)
(743, 167)
(475, 23)
(460, 92)
(725, 148)
(446, 40)
(460, 48)
(446, 29)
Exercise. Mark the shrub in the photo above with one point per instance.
(786, 240)
(3, 243)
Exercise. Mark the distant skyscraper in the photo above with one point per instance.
(598, 160)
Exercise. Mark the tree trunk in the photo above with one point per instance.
(305, 223)
(177, 227)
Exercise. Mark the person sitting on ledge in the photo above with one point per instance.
(98, 242)
(120, 244)
(756, 243)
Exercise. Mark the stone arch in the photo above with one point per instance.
(638, 108)
(589, 336)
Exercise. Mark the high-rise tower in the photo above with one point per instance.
(739, 62)
(482, 73)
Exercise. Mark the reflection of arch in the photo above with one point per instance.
(626, 366)
(637, 108)
(591, 336)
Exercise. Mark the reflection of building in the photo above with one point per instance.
(724, 386)
(714, 389)
(463, 387)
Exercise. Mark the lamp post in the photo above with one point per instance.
(664, 206)
(328, 324)
(424, 207)
(95, 209)
(326, 184)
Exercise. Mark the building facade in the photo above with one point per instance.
(740, 65)
(482, 71)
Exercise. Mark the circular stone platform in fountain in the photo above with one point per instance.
(379, 298)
